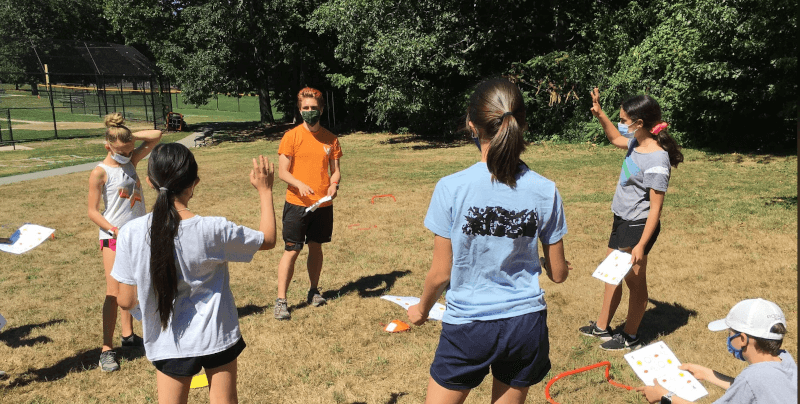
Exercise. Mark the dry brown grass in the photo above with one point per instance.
(729, 233)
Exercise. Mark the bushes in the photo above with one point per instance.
(722, 72)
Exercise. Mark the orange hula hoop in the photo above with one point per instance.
(607, 364)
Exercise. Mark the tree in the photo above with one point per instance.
(27, 21)
(408, 65)
(218, 47)
(723, 72)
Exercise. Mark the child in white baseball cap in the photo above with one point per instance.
(756, 328)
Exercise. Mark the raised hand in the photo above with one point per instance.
(596, 109)
(262, 176)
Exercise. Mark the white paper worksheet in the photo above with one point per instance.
(407, 301)
(614, 268)
(26, 238)
(656, 361)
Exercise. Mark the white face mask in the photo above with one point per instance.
(120, 158)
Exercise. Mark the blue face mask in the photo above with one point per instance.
(623, 129)
(737, 353)
(477, 141)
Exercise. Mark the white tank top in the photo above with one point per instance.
(122, 196)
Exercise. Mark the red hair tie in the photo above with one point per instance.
(659, 128)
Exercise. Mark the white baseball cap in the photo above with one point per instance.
(754, 317)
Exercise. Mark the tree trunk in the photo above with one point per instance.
(264, 103)
(34, 88)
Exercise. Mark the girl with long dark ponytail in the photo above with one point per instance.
(637, 206)
(488, 221)
(174, 263)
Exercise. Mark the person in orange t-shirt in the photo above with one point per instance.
(308, 160)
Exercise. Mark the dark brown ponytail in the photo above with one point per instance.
(497, 111)
(171, 169)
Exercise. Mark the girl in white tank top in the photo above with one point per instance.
(114, 181)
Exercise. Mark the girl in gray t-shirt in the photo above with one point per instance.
(174, 264)
(637, 206)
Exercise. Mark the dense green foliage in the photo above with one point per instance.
(724, 72)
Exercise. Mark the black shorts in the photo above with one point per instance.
(187, 367)
(515, 349)
(627, 233)
(300, 227)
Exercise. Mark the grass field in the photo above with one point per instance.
(729, 232)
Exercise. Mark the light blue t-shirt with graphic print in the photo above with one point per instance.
(640, 173)
(494, 231)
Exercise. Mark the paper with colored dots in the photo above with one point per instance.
(407, 301)
(656, 361)
(614, 268)
(26, 238)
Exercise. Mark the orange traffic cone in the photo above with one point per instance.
(396, 326)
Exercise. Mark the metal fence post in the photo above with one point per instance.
(122, 97)
(10, 131)
(52, 106)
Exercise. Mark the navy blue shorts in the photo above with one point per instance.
(300, 227)
(627, 233)
(517, 350)
(187, 367)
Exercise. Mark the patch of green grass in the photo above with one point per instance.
(60, 153)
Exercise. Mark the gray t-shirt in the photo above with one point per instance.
(764, 383)
(205, 320)
(640, 173)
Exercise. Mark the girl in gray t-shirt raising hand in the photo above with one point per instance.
(174, 263)
(636, 206)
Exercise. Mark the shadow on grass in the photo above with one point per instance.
(428, 143)
(243, 132)
(250, 309)
(663, 319)
(366, 286)
(80, 362)
(15, 337)
(788, 202)
(392, 399)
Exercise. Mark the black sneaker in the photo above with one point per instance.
(591, 330)
(315, 299)
(621, 342)
(133, 340)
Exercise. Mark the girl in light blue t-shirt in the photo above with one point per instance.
(488, 221)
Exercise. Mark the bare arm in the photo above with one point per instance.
(435, 282)
(556, 266)
(96, 180)
(150, 139)
(262, 177)
(284, 163)
(612, 133)
(656, 203)
(336, 175)
(126, 296)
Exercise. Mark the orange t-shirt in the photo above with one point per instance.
(311, 154)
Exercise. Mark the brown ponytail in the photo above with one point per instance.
(497, 111)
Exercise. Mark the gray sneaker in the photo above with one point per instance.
(315, 299)
(282, 310)
(108, 361)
